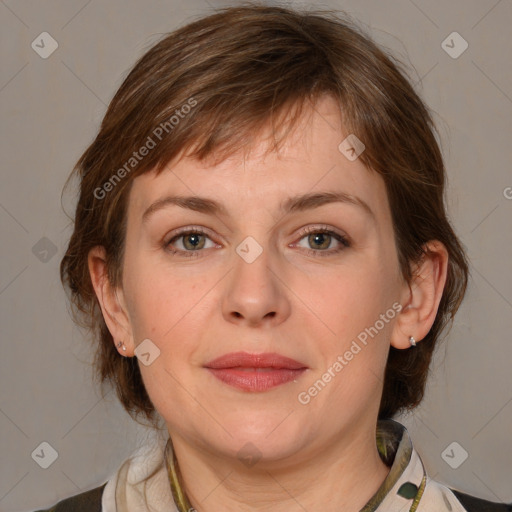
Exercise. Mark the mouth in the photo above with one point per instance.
(255, 372)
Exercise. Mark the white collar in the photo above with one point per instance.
(129, 489)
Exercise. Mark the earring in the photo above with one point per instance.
(119, 345)
(412, 341)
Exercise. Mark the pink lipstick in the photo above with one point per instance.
(255, 372)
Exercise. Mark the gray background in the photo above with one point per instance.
(51, 109)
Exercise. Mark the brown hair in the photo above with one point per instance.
(209, 89)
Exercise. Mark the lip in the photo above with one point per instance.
(246, 360)
(255, 372)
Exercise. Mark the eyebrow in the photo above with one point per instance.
(297, 203)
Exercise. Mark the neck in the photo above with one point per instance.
(344, 476)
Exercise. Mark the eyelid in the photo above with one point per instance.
(319, 228)
(187, 230)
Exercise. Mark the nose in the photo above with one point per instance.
(255, 294)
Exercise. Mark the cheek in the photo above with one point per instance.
(162, 301)
(348, 299)
(356, 307)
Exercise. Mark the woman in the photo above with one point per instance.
(262, 248)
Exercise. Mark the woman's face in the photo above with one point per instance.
(253, 281)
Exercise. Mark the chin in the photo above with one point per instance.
(261, 440)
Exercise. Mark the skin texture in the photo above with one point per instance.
(316, 456)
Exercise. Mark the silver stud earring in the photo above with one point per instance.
(412, 341)
(119, 345)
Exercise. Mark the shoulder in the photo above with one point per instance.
(438, 496)
(88, 501)
(473, 504)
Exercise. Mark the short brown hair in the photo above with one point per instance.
(238, 70)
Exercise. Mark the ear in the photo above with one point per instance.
(111, 301)
(421, 297)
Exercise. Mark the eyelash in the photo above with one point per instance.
(306, 231)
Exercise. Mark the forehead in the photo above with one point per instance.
(312, 158)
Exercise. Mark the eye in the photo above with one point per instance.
(321, 238)
(191, 241)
